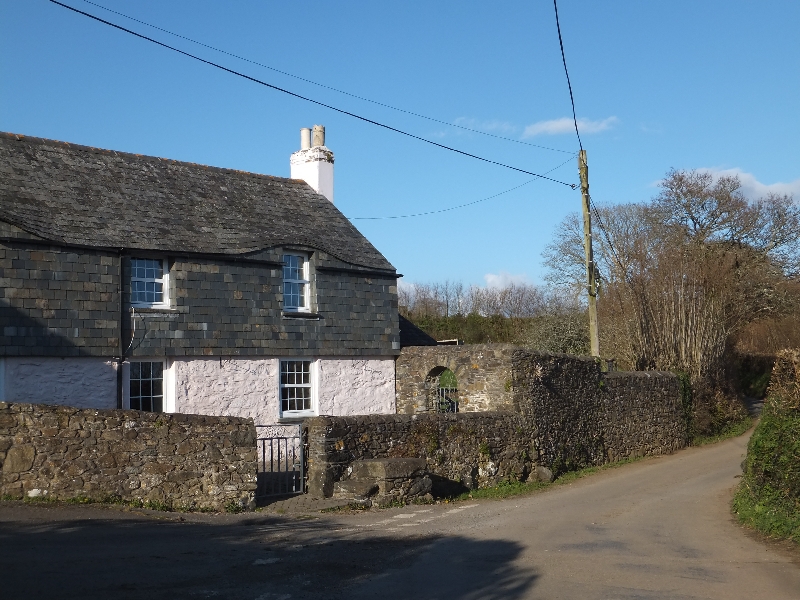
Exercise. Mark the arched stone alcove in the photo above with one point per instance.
(482, 373)
(441, 386)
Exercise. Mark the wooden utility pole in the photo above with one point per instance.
(594, 338)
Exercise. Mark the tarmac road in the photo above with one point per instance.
(657, 529)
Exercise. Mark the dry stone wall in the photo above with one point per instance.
(462, 451)
(182, 461)
(565, 414)
(581, 416)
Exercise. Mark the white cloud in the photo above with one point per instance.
(493, 126)
(504, 279)
(565, 125)
(405, 286)
(651, 128)
(752, 188)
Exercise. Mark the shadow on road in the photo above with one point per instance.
(65, 554)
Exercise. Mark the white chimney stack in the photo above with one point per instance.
(313, 163)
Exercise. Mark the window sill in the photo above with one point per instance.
(159, 309)
(288, 314)
(295, 419)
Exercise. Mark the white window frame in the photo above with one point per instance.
(163, 280)
(168, 383)
(313, 385)
(305, 282)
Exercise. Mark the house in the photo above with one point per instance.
(131, 281)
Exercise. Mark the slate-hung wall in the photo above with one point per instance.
(57, 301)
(234, 308)
(66, 302)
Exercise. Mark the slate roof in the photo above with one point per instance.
(78, 195)
(411, 335)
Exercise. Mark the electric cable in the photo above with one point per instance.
(605, 233)
(566, 71)
(433, 212)
(322, 85)
(307, 99)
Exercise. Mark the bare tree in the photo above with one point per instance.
(682, 273)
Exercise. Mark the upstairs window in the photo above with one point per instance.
(149, 282)
(296, 283)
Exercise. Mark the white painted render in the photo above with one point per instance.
(356, 386)
(250, 388)
(236, 387)
(315, 167)
(207, 386)
(79, 382)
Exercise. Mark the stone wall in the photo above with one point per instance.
(566, 414)
(462, 451)
(187, 461)
(581, 416)
(483, 373)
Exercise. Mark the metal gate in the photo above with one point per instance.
(281, 460)
(446, 400)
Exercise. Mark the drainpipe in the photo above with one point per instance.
(121, 357)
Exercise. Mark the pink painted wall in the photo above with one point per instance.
(249, 388)
(356, 387)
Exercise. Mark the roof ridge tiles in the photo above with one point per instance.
(123, 153)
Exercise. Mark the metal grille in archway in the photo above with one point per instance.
(442, 391)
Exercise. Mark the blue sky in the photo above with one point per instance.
(684, 84)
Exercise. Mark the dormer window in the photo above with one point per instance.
(149, 283)
(296, 283)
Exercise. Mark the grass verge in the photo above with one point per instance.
(767, 511)
(731, 430)
(518, 488)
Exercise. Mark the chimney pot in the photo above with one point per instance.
(318, 136)
(305, 138)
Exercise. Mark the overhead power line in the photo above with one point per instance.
(566, 71)
(307, 99)
(441, 210)
(606, 234)
(322, 85)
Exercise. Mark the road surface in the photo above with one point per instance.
(657, 529)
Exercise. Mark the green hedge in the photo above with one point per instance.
(769, 495)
